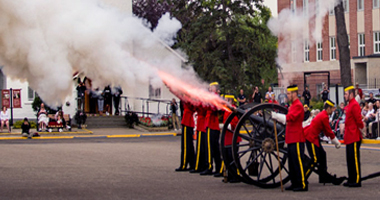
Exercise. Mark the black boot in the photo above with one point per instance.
(338, 181)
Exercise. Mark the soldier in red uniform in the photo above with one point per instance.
(353, 137)
(213, 132)
(187, 146)
(313, 144)
(295, 140)
(231, 168)
(201, 148)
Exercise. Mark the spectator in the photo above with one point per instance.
(360, 91)
(4, 115)
(174, 109)
(59, 117)
(25, 128)
(325, 93)
(363, 99)
(266, 98)
(306, 96)
(371, 98)
(81, 89)
(242, 99)
(307, 112)
(99, 95)
(373, 126)
(357, 96)
(256, 96)
(282, 98)
(371, 115)
(107, 99)
(342, 119)
(273, 99)
(42, 116)
(269, 92)
(365, 109)
(116, 92)
(80, 118)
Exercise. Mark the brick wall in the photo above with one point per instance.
(353, 28)
(368, 27)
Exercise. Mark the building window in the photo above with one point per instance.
(346, 5)
(31, 94)
(293, 6)
(361, 41)
(294, 52)
(319, 51)
(154, 92)
(376, 41)
(307, 51)
(332, 48)
(305, 7)
(375, 3)
(360, 5)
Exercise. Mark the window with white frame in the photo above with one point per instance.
(31, 94)
(305, 7)
(307, 51)
(360, 5)
(361, 41)
(316, 7)
(346, 5)
(319, 51)
(332, 48)
(293, 6)
(375, 3)
(376, 42)
(294, 52)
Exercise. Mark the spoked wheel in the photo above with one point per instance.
(224, 148)
(256, 155)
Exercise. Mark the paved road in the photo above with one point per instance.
(142, 168)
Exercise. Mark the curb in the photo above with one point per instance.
(93, 136)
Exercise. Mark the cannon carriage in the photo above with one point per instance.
(255, 157)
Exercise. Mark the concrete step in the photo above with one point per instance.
(105, 121)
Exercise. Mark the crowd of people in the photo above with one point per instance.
(303, 127)
(100, 101)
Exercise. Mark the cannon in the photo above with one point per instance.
(255, 156)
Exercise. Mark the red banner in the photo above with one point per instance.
(6, 98)
(16, 98)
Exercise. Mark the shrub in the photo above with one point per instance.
(17, 124)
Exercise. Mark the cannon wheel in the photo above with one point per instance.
(256, 155)
(223, 148)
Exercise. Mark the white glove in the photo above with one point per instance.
(281, 118)
(363, 131)
(229, 127)
(336, 142)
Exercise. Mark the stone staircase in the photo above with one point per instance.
(106, 122)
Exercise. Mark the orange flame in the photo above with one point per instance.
(193, 94)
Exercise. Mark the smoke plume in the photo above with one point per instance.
(45, 42)
(294, 28)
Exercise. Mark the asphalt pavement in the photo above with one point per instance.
(143, 168)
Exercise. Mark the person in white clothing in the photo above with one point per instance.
(4, 115)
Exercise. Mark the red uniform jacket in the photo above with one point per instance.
(353, 123)
(319, 124)
(212, 118)
(229, 135)
(294, 118)
(201, 123)
(187, 118)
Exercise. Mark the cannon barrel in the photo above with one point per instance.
(257, 119)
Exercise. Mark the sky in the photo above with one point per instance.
(272, 4)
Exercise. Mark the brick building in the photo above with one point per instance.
(363, 27)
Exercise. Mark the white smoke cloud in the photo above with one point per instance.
(295, 28)
(45, 42)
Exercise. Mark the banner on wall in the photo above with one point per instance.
(6, 98)
(16, 98)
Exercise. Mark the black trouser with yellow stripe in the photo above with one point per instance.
(213, 152)
(318, 159)
(201, 152)
(296, 169)
(187, 147)
(353, 162)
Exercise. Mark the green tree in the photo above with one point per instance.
(227, 41)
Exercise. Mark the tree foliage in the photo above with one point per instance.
(227, 41)
(150, 10)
